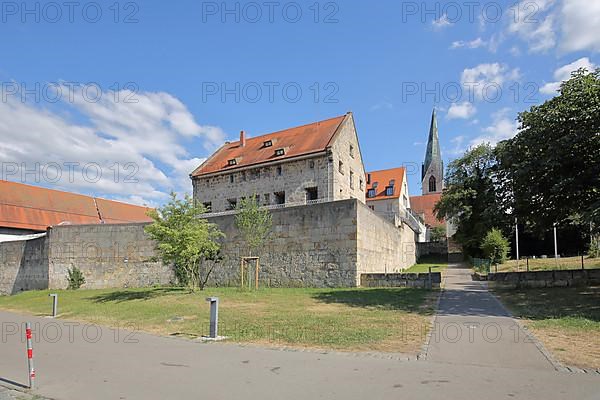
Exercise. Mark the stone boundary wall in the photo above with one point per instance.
(382, 246)
(401, 280)
(23, 265)
(310, 246)
(427, 248)
(543, 279)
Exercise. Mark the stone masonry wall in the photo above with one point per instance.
(23, 265)
(310, 246)
(110, 256)
(382, 247)
(296, 177)
(542, 279)
(420, 281)
(349, 182)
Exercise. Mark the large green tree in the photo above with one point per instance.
(553, 164)
(186, 240)
(473, 197)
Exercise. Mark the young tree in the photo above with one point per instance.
(185, 239)
(254, 223)
(438, 234)
(495, 246)
(473, 197)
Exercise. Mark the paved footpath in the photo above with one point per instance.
(97, 363)
(472, 327)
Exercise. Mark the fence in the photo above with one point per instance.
(482, 265)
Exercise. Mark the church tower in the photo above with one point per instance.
(432, 171)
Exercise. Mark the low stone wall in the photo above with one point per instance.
(23, 265)
(542, 279)
(401, 280)
(432, 248)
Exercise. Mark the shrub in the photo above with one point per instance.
(495, 246)
(75, 278)
(595, 248)
(438, 234)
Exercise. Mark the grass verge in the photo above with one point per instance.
(565, 320)
(391, 320)
(438, 265)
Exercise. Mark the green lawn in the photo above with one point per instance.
(424, 263)
(544, 264)
(394, 319)
(566, 320)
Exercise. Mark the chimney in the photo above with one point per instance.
(242, 139)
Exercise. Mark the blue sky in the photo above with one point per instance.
(156, 107)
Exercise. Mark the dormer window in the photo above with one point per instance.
(375, 185)
(371, 193)
(232, 162)
(268, 143)
(279, 152)
(389, 191)
(392, 182)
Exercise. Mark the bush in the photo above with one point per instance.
(75, 278)
(495, 246)
(438, 234)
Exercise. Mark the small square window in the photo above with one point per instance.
(268, 143)
(311, 164)
(207, 206)
(279, 152)
(231, 204)
(231, 162)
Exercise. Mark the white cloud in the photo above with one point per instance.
(383, 105)
(580, 25)
(473, 44)
(503, 127)
(534, 23)
(564, 73)
(464, 110)
(483, 81)
(441, 23)
(144, 138)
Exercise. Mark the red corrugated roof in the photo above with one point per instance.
(382, 179)
(424, 205)
(35, 208)
(301, 140)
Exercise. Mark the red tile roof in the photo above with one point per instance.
(382, 179)
(302, 140)
(35, 208)
(423, 205)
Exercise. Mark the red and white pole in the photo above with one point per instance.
(30, 355)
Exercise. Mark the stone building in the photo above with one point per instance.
(387, 195)
(307, 164)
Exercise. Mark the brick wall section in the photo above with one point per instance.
(110, 256)
(23, 265)
(543, 279)
(382, 247)
(310, 246)
(420, 281)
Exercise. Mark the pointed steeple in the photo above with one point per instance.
(433, 153)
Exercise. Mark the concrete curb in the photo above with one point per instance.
(9, 392)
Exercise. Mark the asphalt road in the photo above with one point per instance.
(90, 362)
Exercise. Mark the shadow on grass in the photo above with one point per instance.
(401, 299)
(549, 303)
(128, 295)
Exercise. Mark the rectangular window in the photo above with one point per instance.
(231, 162)
(389, 191)
(230, 178)
(231, 204)
(312, 194)
(371, 193)
(279, 198)
(341, 167)
(361, 184)
(279, 171)
(279, 152)
(268, 143)
(351, 180)
(208, 206)
(351, 151)
(311, 164)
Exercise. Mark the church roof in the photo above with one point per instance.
(298, 141)
(36, 208)
(381, 179)
(433, 145)
(424, 205)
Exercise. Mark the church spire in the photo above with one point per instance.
(432, 173)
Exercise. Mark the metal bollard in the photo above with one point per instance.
(430, 283)
(30, 355)
(54, 304)
(214, 316)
